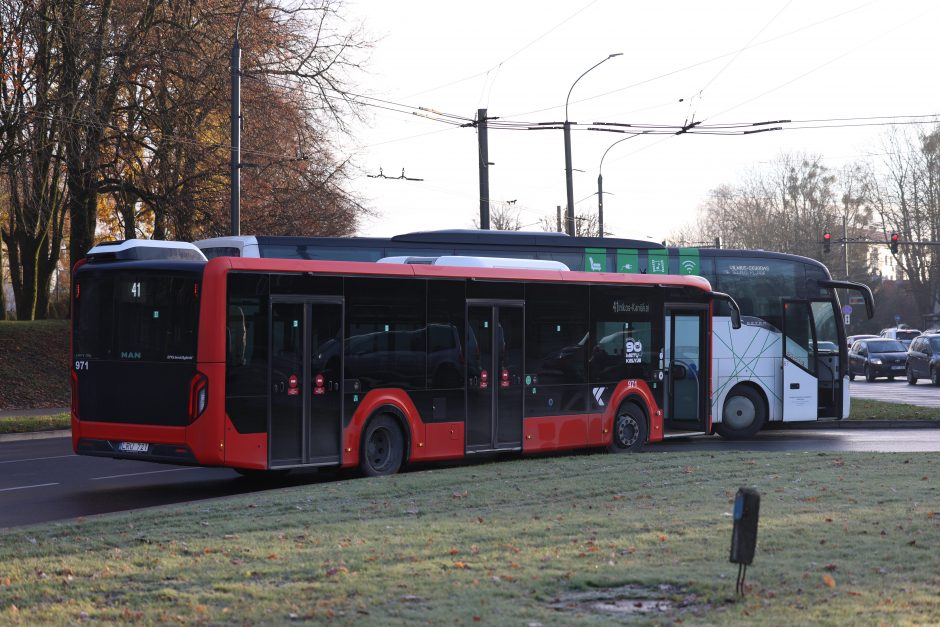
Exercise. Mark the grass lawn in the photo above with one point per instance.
(34, 364)
(865, 409)
(848, 538)
(27, 424)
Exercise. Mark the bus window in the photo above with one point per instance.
(556, 356)
(385, 333)
(246, 352)
(757, 285)
(624, 325)
(446, 355)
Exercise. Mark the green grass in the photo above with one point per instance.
(865, 409)
(27, 424)
(843, 539)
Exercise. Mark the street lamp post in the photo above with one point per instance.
(600, 186)
(236, 115)
(567, 129)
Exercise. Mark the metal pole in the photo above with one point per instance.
(559, 218)
(567, 128)
(569, 185)
(600, 204)
(236, 136)
(484, 170)
(845, 248)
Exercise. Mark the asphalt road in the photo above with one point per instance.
(922, 393)
(41, 480)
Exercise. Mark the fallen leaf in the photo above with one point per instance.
(662, 537)
(829, 581)
(459, 565)
(453, 551)
(831, 567)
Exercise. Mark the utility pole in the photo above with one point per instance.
(845, 249)
(484, 170)
(558, 207)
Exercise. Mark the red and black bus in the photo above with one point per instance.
(268, 364)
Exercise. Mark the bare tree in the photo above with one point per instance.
(504, 216)
(585, 224)
(906, 195)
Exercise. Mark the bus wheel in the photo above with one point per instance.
(383, 447)
(744, 414)
(630, 429)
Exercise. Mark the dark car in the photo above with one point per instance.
(877, 358)
(850, 340)
(923, 359)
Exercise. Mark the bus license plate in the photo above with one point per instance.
(133, 447)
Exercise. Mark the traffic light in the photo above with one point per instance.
(827, 242)
(894, 243)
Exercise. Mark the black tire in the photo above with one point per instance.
(383, 447)
(851, 375)
(935, 376)
(911, 377)
(631, 429)
(743, 415)
(868, 375)
(890, 377)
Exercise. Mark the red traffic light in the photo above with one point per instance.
(827, 241)
(893, 245)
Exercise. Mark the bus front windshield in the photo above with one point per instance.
(135, 316)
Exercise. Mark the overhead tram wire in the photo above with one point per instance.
(709, 60)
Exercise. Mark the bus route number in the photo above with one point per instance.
(81, 364)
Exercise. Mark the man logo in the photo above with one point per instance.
(689, 266)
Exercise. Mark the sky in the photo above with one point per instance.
(719, 63)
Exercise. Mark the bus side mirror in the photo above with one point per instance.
(735, 309)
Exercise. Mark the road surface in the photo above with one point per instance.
(41, 480)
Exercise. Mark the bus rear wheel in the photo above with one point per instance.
(744, 414)
(631, 430)
(383, 447)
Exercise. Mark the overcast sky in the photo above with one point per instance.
(718, 63)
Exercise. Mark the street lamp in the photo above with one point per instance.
(600, 186)
(236, 119)
(567, 129)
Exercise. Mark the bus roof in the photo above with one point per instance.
(223, 264)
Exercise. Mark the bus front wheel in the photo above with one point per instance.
(630, 429)
(383, 447)
(744, 414)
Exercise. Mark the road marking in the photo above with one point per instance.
(27, 487)
(137, 474)
(36, 459)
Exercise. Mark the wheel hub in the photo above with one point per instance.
(739, 412)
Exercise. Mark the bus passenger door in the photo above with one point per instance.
(800, 391)
(495, 349)
(686, 364)
(305, 422)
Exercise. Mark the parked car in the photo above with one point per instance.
(905, 335)
(877, 357)
(854, 338)
(923, 359)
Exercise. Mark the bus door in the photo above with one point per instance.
(495, 347)
(306, 367)
(800, 382)
(686, 364)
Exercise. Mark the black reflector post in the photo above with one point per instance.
(744, 534)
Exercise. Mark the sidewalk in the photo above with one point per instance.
(34, 435)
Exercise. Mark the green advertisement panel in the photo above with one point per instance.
(689, 261)
(595, 260)
(657, 262)
(628, 260)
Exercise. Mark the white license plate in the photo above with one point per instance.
(133, 447)
(897, 367)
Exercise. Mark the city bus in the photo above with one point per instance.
(270, 364)
(791, 365)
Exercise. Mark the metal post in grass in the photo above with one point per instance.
(744, 533)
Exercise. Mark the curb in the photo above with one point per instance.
(35, 435)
